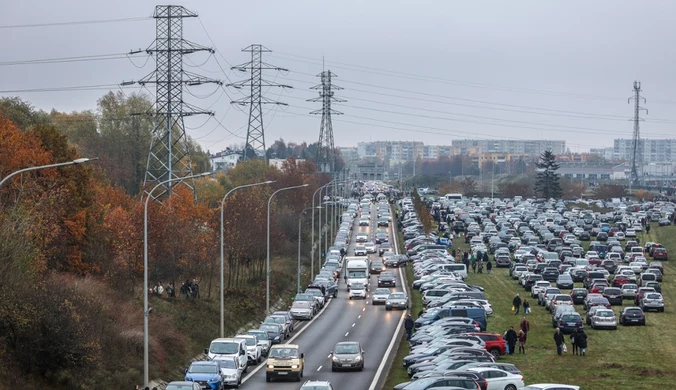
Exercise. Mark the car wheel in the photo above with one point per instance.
(510, 387)
(495, 352)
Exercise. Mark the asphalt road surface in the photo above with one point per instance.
(343, 320)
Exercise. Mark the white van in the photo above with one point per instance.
(229, 348)
(459, 269)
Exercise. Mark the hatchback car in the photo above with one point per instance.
(632, 316)
(387, 279)
(652, 301)
(613, 295)
(357, 291)
(380, 296)
(570, 321)
(564, 281)
(604, 318)
(578, 295)
(347, 355)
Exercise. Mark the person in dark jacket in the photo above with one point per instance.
(489, 267)
(581, 341)
(516, 302)
(486, 259)
(510, 338)
(573, 342)
(558, 339)
(408, 325)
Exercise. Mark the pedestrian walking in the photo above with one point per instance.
(647, 228)
(522, 341)
(408, 325)
(516, 304)
(489, 267)
(524, 326)
(526, 307)
(472, 260)
(558, 340)
(573, 342)
(511, 337)
(486, 259)
(581, 340)
(171, 291)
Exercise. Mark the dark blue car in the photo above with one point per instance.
(568, 322)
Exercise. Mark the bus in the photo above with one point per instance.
(455, 197)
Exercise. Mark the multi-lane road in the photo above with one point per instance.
(343, 319)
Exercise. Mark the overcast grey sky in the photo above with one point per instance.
(526, 69)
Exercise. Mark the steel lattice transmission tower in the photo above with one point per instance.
(326, 152)
(168, 157)
(637, 145)
(255, 135)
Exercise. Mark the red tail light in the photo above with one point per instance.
(563, 323)
(579, 324)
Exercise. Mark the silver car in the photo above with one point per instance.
(652, 301)
(302, 310)
(380, 296)
(347, 355)
(232, 375)
(604, 318)
(629, 291)
(397, 300)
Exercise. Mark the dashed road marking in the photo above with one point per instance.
(320, 367)
(347, 334)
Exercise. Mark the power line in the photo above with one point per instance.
(67, 89)
(77, 22)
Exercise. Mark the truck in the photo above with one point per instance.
(357, 270)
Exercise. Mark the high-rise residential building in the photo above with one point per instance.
(519, 147)
(396, 151)
(650, 150)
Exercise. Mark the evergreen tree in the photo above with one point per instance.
(547, 183)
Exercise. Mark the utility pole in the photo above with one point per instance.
(637, 146)
(168, 157)
(255, 136)
(326, 152)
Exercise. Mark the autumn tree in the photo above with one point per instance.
(608, 191)
(510, 189)
(547, 181)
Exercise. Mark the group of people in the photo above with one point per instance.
(511, 337)
(189, 289)
(578, 340)
(517, 303)
(477, 262)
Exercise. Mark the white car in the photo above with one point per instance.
(499, 379)
(362, 237)
(370, 247)
(630, 233)
(539, 286)
(231, 372)
(253, 351)
(357, 291)
(360, 250)
(380, 296)
(484, 303)
(551, 386)
(518, 270)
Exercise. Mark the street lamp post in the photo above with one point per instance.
(312, 247)
(300, 218)
(63, 164)
(146, 312)
(222, 255)
(267, 274)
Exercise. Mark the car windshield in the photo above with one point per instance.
(382, 291)
(356, 274)
(570, 317)
(227, 363)
(604, 313)
(431, 313)
(224, 347)
(301, 304)
(284, 353)
(397, 296)
(342, 349)
(260, 335)
(653, 296)
(271, 328)
(629, 287)
(203, 369)
(315, 387)
(276, 320)
(304, 297)
(633, 311)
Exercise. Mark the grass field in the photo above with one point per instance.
(632, 357)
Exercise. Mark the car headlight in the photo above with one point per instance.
(358, 358)
(388, 303)
(294, 366)
(188, 379)
(277, 338)
(214, 379)
(335, 359)
(271, 366)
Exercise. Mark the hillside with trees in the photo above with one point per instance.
(71, 248)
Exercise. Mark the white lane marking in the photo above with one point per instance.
(396, 337)
(354, 324)
(364, 309)
(359, 316)
(255, 370)
(320, 367)
(329, 357)
(347, 334)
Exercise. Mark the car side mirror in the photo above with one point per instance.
(186, 370)
(206, 351)
(302, 356)
(363, 352)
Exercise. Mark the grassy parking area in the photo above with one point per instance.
(630, 357)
